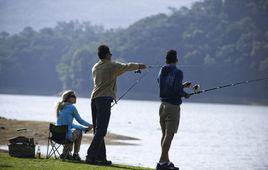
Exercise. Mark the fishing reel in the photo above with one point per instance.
(196, 88)
(187, 84)
(137, 71)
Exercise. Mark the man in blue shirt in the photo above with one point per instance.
(171, 91)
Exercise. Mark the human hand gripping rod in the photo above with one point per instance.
(224, 86)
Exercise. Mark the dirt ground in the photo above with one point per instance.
(39, 131)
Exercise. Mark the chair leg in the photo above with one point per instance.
(56, 149)
(52, 150)
(47, 148)
(48, 143)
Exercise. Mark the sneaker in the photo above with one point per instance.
(166, 166)
(76, 157)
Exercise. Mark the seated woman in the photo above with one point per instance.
(66, 112)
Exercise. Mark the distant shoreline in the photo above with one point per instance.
(39, 131)
(194, 99)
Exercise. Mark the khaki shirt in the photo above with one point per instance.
(104, 75)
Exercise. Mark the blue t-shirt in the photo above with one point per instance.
(170, 84)
(66, 117)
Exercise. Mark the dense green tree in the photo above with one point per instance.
(221, 41)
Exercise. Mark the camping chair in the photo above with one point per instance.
(56, 138)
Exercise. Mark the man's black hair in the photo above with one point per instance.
(103, 50)
(171, 57)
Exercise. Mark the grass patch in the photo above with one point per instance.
(8, 162)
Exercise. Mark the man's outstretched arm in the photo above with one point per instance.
(121, 68)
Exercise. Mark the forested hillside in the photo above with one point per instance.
(218, 42)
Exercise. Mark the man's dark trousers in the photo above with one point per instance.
(101, 111)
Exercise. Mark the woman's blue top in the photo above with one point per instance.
(66, 117)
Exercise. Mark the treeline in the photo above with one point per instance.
(218, 42)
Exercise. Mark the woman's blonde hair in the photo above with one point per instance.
(64, 98)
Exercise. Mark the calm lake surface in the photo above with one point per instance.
(211, 136)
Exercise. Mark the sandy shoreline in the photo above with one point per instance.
(39, 131)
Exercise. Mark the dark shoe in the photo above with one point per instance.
(66, 156)
(90, 161)
(104, 162)
(166, 166)
(76, 157)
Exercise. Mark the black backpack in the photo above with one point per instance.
(22, 147)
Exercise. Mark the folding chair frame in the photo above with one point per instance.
(55, 148)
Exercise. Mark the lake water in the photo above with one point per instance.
(211, 136)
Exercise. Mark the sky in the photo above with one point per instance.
(17, 14)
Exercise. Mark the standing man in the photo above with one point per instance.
(104, 74)
(171, 92)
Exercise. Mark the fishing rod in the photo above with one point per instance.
(197, 87)
(139, 79)
(131, 87)
(183, 65)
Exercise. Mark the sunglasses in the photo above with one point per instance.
(72, 95)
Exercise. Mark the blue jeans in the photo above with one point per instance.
(101, 111)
